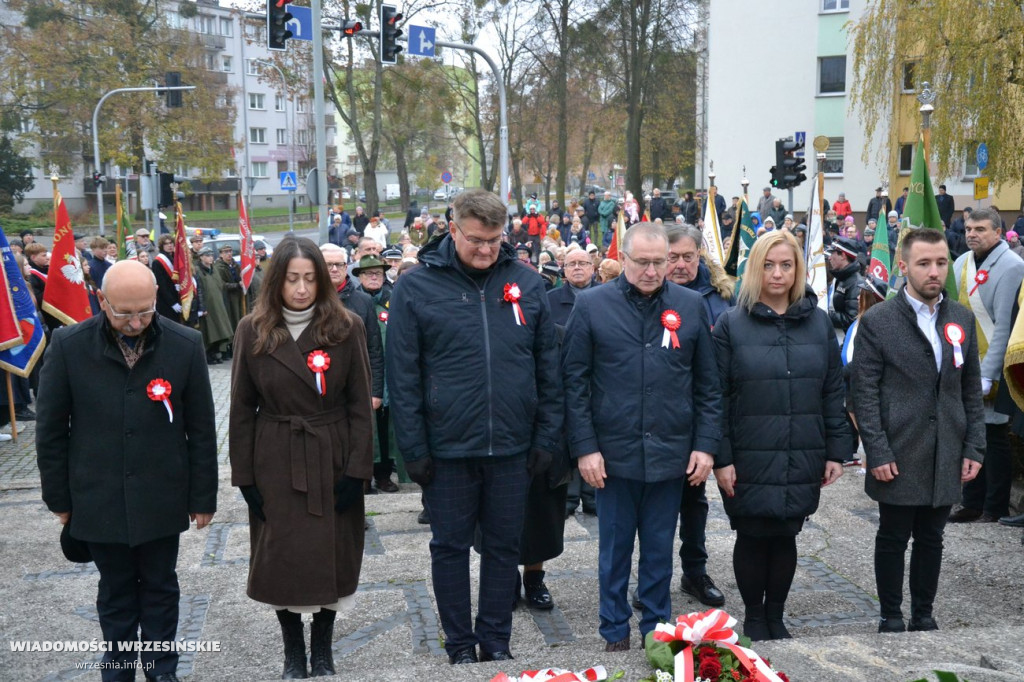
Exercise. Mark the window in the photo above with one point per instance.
(835, 5)
(226, 25)
(256, 32)
(258, 135)
(906, 158)
(282, 136)
(971, 161)
(259, 169)
(279, 102)
(252, 68)
(300, 105)
(225, 101)
(833, 163)
(209, 61)
(256, 100)
(909, 84)
(832, 75)
(206, 24)
(282, 167)
(225, 64)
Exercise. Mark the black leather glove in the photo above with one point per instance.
(254, 500)
(421, 471)
(538, 461)
(347, 492)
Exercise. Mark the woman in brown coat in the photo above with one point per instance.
(301, 448)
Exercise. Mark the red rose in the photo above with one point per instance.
(710, 668)
(735, 674)
(707, 652)
(782, 676)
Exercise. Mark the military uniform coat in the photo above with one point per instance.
(924, 420)
(107, 452)
(215, 324)
(293, 444)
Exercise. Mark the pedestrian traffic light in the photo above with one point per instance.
(776, 177)
(173, 97)
(169, 194)
(278, 17)
(351, 28)
(389, 34)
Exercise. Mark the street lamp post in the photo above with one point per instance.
(291, 129)
(927, 99)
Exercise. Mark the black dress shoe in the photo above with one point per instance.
(386, 485)
(423, 517)
(25, 415)
(703, 589)
(889, 625)
(621, 645)
(964, 515)
(637, 604)
(464, 656)
(922, 624)
(537, 594)
(591, 510)
(166, 677)
(986, 518)
(1015, 521)
(503, 655)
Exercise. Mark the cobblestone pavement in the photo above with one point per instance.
(393, 632)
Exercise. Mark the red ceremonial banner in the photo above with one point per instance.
(65, 296)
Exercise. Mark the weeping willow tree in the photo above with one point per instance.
(972, 54)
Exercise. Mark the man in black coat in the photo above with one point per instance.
(629, 344)
(845, 267)
(917, 397)
(128, 489)
(946, 206)
(590, 205)
(658, 207)
(472, 371)
(877, 203)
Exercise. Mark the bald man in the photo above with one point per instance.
(130, 487)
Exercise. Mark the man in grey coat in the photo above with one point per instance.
(988, 277)
(917, 397)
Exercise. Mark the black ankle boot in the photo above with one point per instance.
(294, 646)
(754, 624)
(776, 628)
(321, 639)
(537, 595)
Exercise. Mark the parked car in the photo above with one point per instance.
(441, 194)
(235, 241)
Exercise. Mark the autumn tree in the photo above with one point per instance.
(15, 174)
(973, 57)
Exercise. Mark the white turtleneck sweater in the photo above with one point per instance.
(297, 320)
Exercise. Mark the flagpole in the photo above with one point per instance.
(10, 407)
(927, 99)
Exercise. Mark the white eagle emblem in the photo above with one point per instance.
(73, 270)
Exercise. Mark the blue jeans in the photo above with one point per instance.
(693, 520)
(626, 509)
(491, 492)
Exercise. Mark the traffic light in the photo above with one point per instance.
(173, 97)
(788, 171)
(168, 194)
(351, 28)
(278, 17)
(97, 178)
(389, 34)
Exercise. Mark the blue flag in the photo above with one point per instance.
(21, 358)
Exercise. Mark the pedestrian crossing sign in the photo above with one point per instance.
(288, 181)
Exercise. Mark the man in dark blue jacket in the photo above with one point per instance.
(643, 410)
(472, 372)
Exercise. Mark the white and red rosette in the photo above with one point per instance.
(318, 362)
(595, 674)
(954, 333)
(980, 278)
(713, 626)
(159, 390)
(670, 320)
(512, 295)
(383, 316)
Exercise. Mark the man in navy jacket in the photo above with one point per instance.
(643, 410)
(472, 371)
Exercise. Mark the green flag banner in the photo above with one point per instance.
(881, 258)
(746, 237)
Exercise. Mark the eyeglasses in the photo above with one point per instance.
(686, 257)
(580, 264)
(144, 315)
(476, 242)
(644, 263)
(337, 266)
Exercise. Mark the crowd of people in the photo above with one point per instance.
(516, 376)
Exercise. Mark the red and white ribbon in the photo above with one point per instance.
(670, 320)
(512, 295)
(979, 279)
(383, 316)
(955, 335)
(318, 362)
(159, 390)
(595, 674)
(713, 626)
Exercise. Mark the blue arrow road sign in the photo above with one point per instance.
(421, 41)
(288, 181)
(982, 156)
(301, 23)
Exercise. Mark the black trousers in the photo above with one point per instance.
(990, 489)
(382, 469)
(693, 521)
(896, 525)
(138, 590)
(491, 492)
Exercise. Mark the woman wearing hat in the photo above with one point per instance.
(301, 449)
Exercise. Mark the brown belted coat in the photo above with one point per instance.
(293, 444)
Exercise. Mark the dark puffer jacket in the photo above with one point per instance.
(782, 382)
(845, 296)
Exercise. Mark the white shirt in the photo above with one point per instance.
(927, 322)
